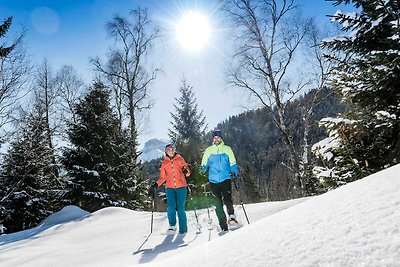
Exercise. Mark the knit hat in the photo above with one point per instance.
(168, 146)
(217, 133)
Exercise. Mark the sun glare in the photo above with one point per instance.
(193, 31)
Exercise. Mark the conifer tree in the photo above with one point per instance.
(99, 164)
(250, 188)
(126, 71)
(5, 50)
(14, 71)
(367, 75)
(29, 185)
(188, 132)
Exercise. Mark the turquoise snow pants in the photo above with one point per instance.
(176, 199)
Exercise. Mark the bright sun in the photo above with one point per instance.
(193, 31)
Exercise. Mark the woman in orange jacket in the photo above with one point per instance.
(173, 172)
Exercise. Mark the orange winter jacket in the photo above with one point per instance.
(171, 172)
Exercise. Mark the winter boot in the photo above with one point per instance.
(224, 227)
(233, 222)
(232, 219)
(171, 230)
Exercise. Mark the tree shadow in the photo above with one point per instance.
(34, 232)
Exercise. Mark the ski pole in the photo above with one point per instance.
(209, 221)
(240, 199)
(152, 208)
(153, 189)
(198, 226)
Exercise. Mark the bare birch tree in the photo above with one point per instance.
(126, 69)
(319, 71)
(46, 97)
(267, 35)
(69, 88)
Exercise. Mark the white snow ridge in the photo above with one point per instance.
(355, 225)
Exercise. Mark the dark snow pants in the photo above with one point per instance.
(223, 194)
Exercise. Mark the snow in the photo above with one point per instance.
(382, 68)
(335, 38)
(376, 22)
(355, 225)
(323, 172)
(384, 114)
(323, 147)
(394, 37)
(67, 214)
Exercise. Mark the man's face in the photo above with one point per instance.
(217, 140)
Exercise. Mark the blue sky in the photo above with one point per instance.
(71, 32)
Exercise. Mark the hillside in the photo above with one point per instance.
(355, 225)
(259, 147)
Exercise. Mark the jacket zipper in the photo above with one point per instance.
(173, 171)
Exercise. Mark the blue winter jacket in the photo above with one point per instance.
(219, 161)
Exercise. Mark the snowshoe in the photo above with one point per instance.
(232, 219)
(171, 230)
(223, 231)
(233, 222)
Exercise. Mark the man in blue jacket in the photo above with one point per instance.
(220, 164)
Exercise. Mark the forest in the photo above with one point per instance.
(307, 130)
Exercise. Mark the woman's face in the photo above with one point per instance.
(170, 151)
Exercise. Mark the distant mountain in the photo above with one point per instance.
(153, 149)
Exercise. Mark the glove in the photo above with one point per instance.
(184, 170)
(204, 170)
(233, 175)
(154, 185)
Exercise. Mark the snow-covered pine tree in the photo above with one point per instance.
(188, 131)
(5, 50)
(367, 75)
(99, 163)
(28, 181)
(14, 71)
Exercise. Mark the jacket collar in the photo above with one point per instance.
(166, 156)
(220, 144)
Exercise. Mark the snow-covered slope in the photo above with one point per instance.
(355, 225)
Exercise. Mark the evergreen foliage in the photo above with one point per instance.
(100, 164)
(188, 124)
(29, 189)
(188, 133)
(365, 139)
(126, 70)
(260, 151)
(151, 170)
(5, 50)
(261, 154)
(249, 191)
